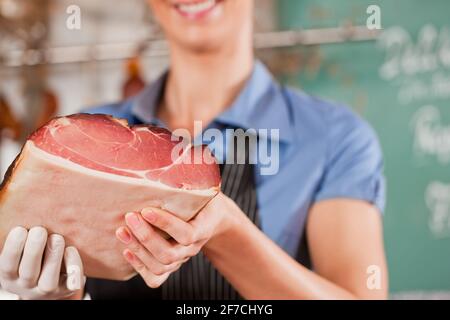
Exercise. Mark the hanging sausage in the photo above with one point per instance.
(134, 82)
(8, 123)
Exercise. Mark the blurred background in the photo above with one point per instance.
(398, 78)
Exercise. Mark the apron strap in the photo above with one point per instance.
(198, 278)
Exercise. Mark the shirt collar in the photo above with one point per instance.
(146, 102)
(260, 105)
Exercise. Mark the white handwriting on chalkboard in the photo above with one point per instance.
(437, 197)
(416, 90)
(431, 137)
(407, 57)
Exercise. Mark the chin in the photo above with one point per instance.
(203, 41)
(202, 25)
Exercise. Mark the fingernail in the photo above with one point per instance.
(123, 235)
(149, 215)
(128, 255)
(133, 220)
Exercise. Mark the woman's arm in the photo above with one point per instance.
(345, 239)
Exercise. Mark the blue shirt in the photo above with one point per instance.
(325, 150)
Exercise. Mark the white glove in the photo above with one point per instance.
(30, 265)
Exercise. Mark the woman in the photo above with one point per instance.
(315, 231)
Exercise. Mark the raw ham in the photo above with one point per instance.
(79, 175)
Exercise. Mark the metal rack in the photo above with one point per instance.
(158, 47)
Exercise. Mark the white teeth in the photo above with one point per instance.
(197, 7)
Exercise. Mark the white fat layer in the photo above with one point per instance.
(37, 152)
(197, 7)
(63, 122)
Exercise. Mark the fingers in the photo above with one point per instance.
(159, 247)
(12, 252)
(51, 270)
(178, 229)
(150, 262)
(74, 268)
(30, 266)
(152, 280)
(30, 262)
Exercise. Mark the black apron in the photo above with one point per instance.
(197, 279)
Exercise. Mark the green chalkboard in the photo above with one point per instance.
(401, 84)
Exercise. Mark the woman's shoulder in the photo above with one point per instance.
(351, 153)
(325, 118)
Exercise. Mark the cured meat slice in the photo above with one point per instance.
(79, 175)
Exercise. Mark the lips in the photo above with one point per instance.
(195, 9)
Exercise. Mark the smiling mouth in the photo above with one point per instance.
(196, 9)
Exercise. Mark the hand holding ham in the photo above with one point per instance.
(153, 256)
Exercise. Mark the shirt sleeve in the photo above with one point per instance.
(354, 164)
